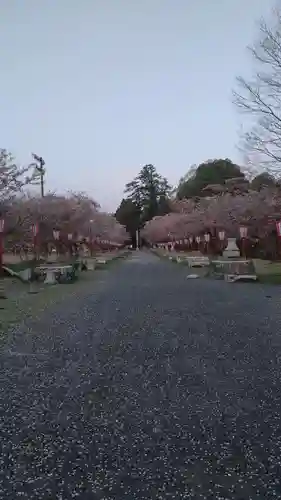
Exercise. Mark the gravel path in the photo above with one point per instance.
(151, 387)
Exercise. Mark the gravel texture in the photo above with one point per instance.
(152, 386)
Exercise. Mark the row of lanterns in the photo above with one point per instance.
(190, 240)
(56, 235)
(243, 230)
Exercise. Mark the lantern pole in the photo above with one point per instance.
(2, 224)
(35, 230)
(243, 235)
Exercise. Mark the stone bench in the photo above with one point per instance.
(102, 261)
(232, 278)
(55, 274)
(198, 261)
(192, 261)
(233, 270)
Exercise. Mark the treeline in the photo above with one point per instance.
(148, 195)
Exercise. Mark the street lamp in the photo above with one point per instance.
(41, 170)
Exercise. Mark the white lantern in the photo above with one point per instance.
(34, 229)
(56, 234)
(243, 231)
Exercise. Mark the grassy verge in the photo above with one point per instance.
(268, 272)
(22, 304)
(162, 255)
(24, 264)
(270, 279)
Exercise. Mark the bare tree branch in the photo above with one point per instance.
(260, 98)
(13, 177)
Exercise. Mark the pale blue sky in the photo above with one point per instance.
(101, 87)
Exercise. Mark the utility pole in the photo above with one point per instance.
(41, 170)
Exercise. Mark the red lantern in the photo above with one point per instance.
(278, 228)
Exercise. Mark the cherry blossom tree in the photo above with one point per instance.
(75, 214)
(228, 211)
(12, 177)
